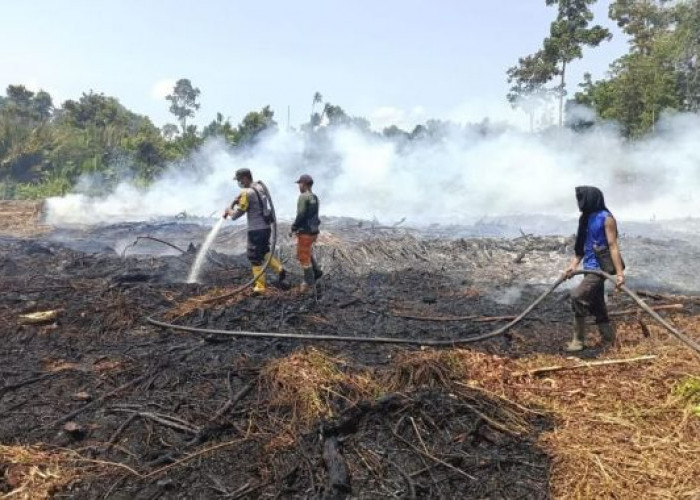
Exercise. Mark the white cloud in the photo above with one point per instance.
(385, 116)
(34, 85)
(161, 88)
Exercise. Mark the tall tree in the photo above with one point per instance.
(568, 34)
(183, 101)
(95, 110)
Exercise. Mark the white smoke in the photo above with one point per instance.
(459, 177)
(508, 297)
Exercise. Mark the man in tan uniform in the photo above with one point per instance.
(253, 202)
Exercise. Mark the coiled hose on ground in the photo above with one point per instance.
(689, 342)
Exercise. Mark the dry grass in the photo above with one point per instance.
(193, 304)
(21, 218)
(305, 385)
(621, 431)
(429, 368)
(28, 473)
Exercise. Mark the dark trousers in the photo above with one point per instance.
(589, 299)
(258, 245)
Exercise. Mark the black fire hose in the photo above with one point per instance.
(692, 344)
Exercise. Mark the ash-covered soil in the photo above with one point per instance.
(141, 412)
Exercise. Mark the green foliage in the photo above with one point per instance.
(253, 124)
(57, 186)
(170, 131)
(688, 390)
(43, 150)
(685, 39)
(570, 32)
(660, 74)
(642, 20)
(26, 106)
(220, 128)
(639, 89)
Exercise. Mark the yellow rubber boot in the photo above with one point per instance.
(260, 283)
(275, 264)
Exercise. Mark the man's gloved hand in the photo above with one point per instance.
(227, 213)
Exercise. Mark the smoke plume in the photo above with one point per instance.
(458, 175)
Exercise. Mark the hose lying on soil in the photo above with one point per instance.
(689, 342)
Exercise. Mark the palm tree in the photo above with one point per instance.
(318, 99)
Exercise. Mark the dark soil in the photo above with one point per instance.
(146, 397)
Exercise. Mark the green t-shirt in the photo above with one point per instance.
(307, 220)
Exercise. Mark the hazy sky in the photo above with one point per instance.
(391, 61)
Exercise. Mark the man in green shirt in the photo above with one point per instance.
(306, 227)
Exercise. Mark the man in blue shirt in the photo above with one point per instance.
(597, 233)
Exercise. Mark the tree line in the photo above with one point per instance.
(46, 149)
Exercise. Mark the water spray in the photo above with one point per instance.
(203, 251)
(273, 245)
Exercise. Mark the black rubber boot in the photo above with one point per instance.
(317, 269)
(607, 332)
(309, 280)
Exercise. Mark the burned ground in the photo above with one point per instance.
(99, 404)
